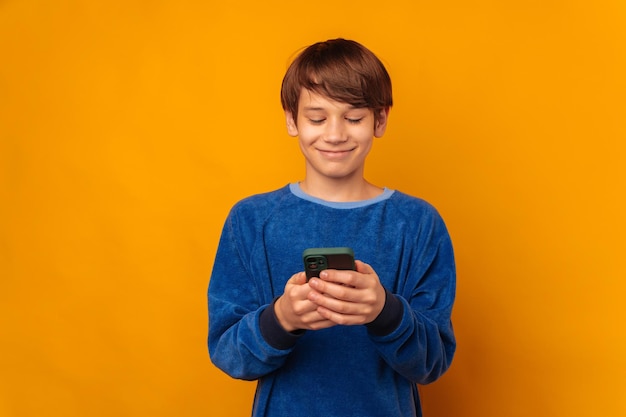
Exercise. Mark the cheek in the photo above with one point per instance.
(303, 143)
(365, 133)
(306, 133)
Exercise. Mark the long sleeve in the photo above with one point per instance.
(236, 343)
(422, 346)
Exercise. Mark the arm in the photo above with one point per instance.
(422, 346)
(237, 307)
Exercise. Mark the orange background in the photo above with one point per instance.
(129, 128)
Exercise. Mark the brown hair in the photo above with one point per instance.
(340, 69)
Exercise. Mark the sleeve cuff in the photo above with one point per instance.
(273, 333)
(389, 318)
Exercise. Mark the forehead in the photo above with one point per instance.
(311, 101)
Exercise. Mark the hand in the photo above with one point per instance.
(348, 297)
(295, 311)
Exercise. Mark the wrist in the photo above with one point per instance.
(274, 333)
(389, 317)
(281, 316)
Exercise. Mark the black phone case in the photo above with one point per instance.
(319, 259)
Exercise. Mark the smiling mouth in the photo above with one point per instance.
(335, 153)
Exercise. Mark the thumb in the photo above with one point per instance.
(363, 268)
(298, 279)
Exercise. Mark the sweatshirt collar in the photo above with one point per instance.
(297, 191)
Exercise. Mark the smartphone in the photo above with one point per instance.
(318, 259)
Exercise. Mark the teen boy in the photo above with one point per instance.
(349, 343)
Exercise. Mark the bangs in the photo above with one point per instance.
(341, 70)
(340, 84)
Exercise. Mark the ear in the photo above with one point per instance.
(292, 127)
(380, 123)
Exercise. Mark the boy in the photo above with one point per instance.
(349, 343)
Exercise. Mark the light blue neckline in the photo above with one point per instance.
(294, 187)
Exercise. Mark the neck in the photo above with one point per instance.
(340, 190)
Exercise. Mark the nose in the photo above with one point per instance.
(335, 132)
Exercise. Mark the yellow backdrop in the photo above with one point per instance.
(129, 128)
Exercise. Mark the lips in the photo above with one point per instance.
(335, 153)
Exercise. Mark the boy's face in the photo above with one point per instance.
(334, 137)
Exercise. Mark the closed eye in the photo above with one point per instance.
(354, 121)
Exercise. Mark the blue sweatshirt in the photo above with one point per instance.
(342, 371)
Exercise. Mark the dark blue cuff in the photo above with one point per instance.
(273, 333)
(389, 318)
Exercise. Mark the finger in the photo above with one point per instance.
(301, 307)
(313, 319)
(339, 276)
(321, 324)
(342, 319)
(334, 289)
(338, 298)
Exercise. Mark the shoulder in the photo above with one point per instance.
(256, 208)
(412, 206)
(262, 200)
(421, 219)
